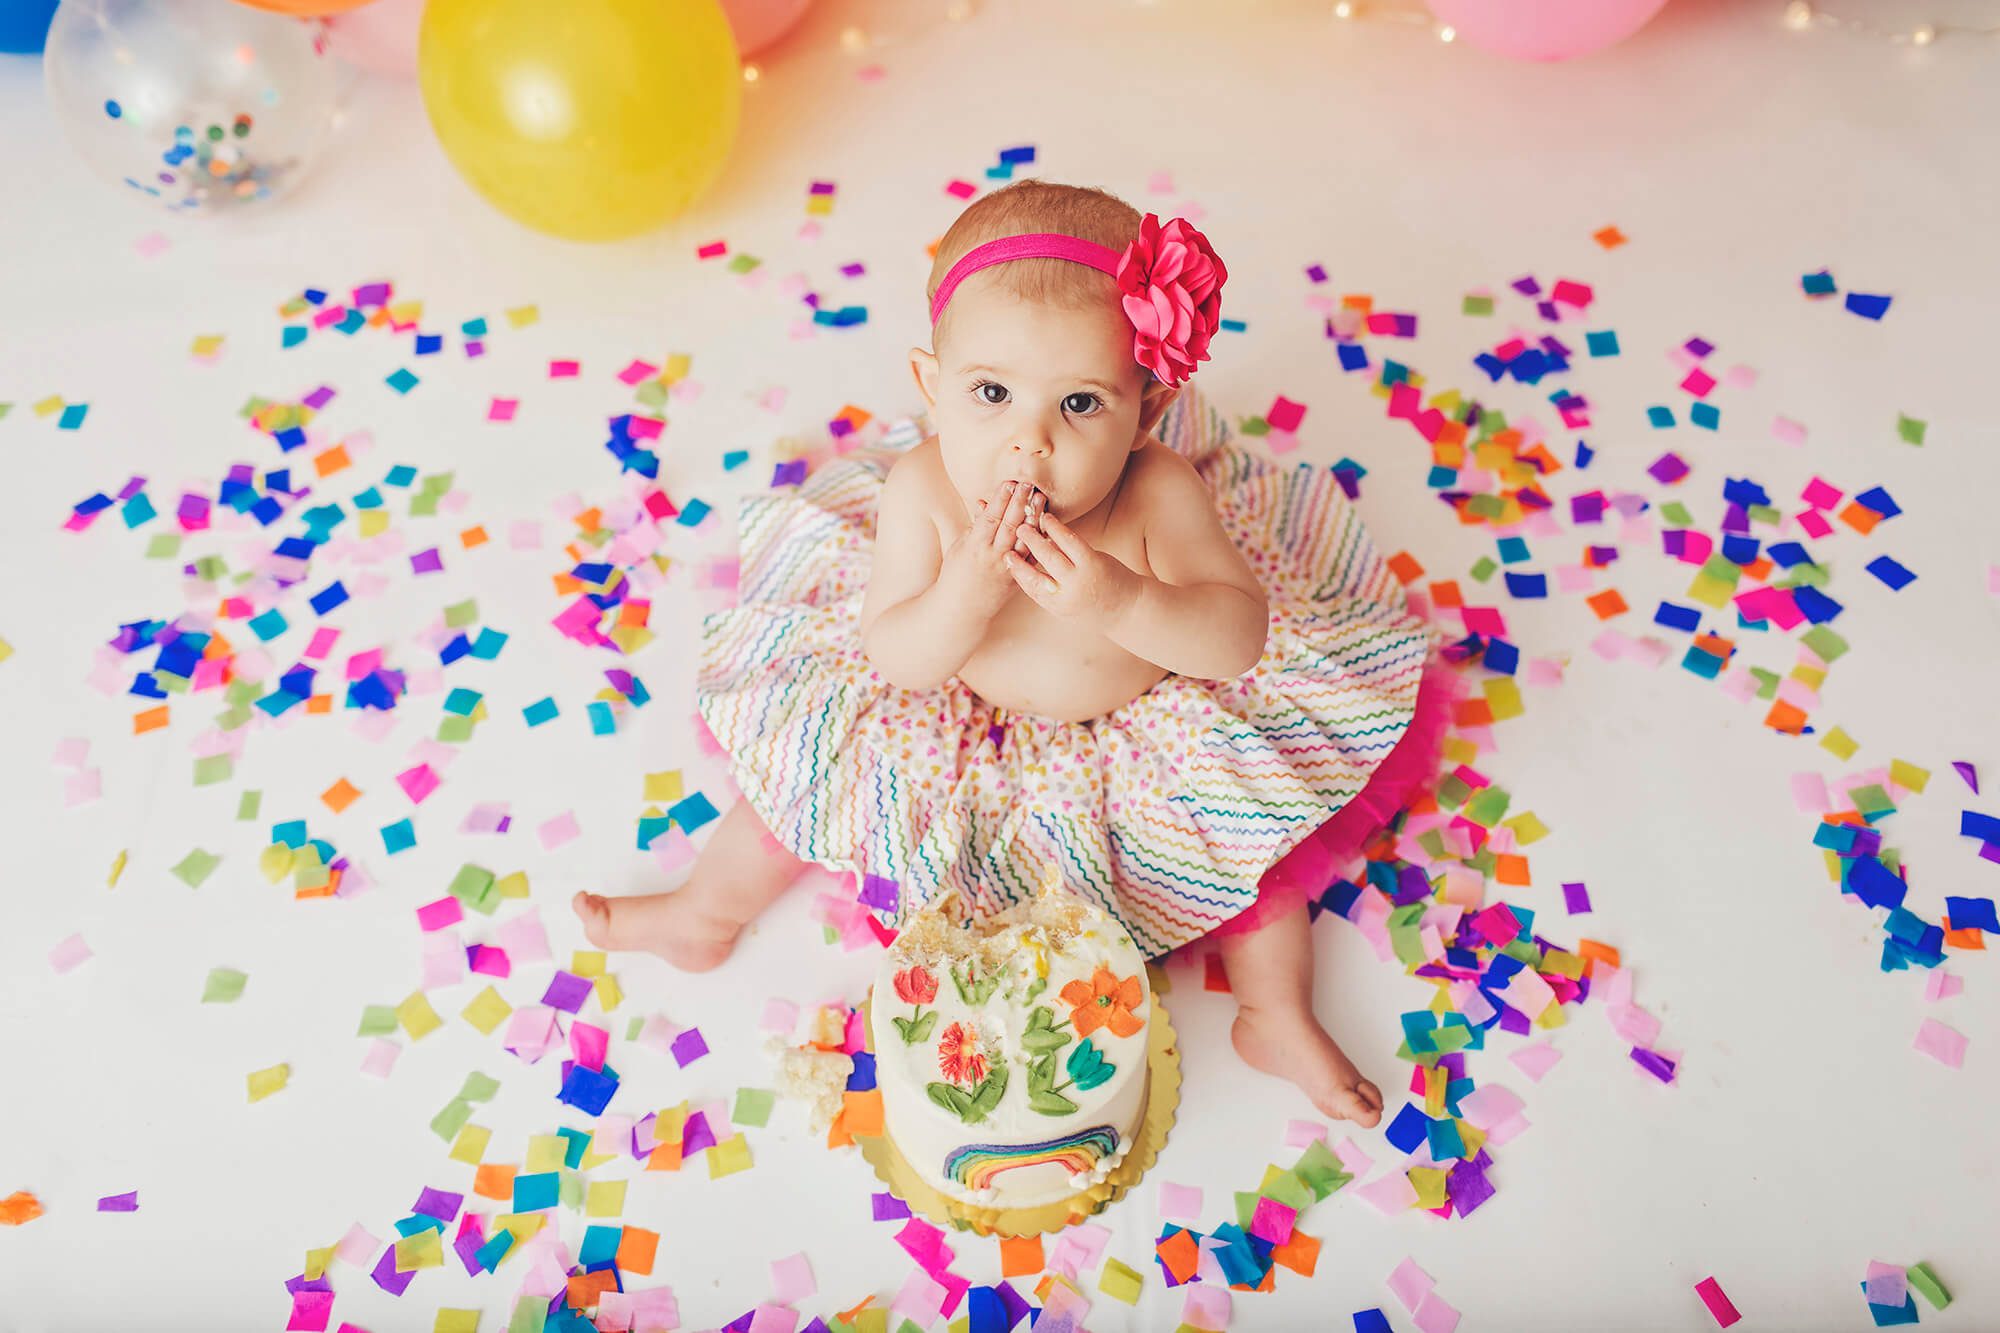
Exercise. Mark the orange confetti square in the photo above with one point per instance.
(567, 585)
(1020, 1256)
(585, 1288)
(636, 1250)
(863, 1112)
(1214, 976)
(855, 416)
(1446, 595)
(1593, 952)
(590, 519)
(494, 1180)
(665, 1157)
(332, 460)
(473, 536)
(1180, 1255)
(21, 1206)
(1859, 516)
(1364, 304)
(151, 719)
(1300, 1253)
(1511, 868)
(1405, 567)
(320, 703)
(1472, 713)
(1965, 937)
(340, 795)
(1788, 718)
(1607, 604)
(1609, 237)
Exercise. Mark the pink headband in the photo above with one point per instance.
(1169, 284)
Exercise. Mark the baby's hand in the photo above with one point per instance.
(1070, 577)
(979, 557)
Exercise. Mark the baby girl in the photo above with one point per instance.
(1075, 636)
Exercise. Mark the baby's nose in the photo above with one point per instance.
(1034, 444)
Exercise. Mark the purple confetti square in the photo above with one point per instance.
(1699, 346)
(303, 1283)
(318, 398)
(689, 1047)
(1654, 1063)
(440, 1204)
(1316, 273)
(1527, 286)
(853, 270)
(878, 893)
(1468, 1188)
(696, 1135)
(1016, 1305)
(1668, 469)
(821, 187)
(1576, 898)
(567, 992)
(426, 562)
(889, 1208)
(119, 1203)
(387, 1278)
(371, 293)
(467, 1248)
(840, 428)
(474, 347)
(1547, 310)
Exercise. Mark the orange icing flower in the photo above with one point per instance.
(1105, 1003)
(959, 1057)
(915, 985)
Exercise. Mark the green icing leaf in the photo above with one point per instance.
(1051, 1103)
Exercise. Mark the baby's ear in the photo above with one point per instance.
(924, 366)
(1154, 401)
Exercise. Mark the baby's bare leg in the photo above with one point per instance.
(741, 870)
(1270, 971)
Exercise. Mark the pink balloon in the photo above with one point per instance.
(1545, 29)
(381, 36)
(758, 23)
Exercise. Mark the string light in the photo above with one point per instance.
(1799, 15)
(1415, 18)
(1803, 14)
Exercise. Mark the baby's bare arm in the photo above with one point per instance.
(1202, 613)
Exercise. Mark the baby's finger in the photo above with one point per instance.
(1017, 504)
(1065, 538)
(1032, 581)
(1050, 556)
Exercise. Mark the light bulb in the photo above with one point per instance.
(1344, 10)
(1924, 34)
(751, 74)
(1447, 33)
(1798, 14)
(853, 39)
(960, 11)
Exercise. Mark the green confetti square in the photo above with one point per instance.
(1823, 641)
(1476, 305)
(377, 1020)
(446, 1123)
(478, 1087)
(211, 769)
(471, 883)
(753, 1107)
(1909, 429)
(1483, 569)
(1677, 514)
(744, 263)
(455, 730)
(1256, 426)
(223, 986)
(163, 546)
(461, 615)
(195, 867)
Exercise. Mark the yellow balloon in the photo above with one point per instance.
(588, 119)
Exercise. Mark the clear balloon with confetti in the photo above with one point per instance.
(200, 105)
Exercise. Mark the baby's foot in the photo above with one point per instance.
(1292, 1045)
(668, 924)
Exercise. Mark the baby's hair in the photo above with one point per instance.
(1033, 206)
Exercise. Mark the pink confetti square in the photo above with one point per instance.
(1942, 985)
(1535, 1061)
(149, 245)
(1409, 1283)
(417, 783)
(1435, 1316)
(792, 1279)
(1352, 1157)
(1718, 1303)
(1943, 1044)
(69, 954)
(780, 1015)
(1272, 1221)
(380, 1059)
(1787, 431)
(713, 250)
(555, 832)
(1180, 1201)
(960, 189)
(1284, 414)
(1300, 1133)
(502, 409)
(565, 370)
(83, 788)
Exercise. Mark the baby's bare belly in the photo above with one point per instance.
(1050, 669)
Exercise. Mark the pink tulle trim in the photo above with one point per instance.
(1308, 868)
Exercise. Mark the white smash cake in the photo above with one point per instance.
(1011, 1050)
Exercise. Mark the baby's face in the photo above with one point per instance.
(1035, 393)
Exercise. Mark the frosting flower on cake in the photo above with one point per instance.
(1106, 1002)
(960, 1058)
(915, 985)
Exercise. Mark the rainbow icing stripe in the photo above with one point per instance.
(976, 1164)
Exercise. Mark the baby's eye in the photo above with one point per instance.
(986, 391)
(1082, 404)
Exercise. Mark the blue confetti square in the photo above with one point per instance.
(1661, 417)
(402, 381)
(1604, 343)
(1891, 573)
(398, 837)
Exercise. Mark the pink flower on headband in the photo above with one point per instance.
(1170, 282)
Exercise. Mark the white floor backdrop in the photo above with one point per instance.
(1805, 1136)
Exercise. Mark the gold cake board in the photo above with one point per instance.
(1163, 1099)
